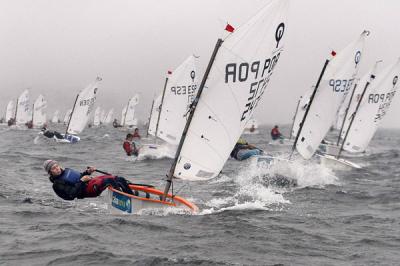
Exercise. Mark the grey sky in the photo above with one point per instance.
(58, 47)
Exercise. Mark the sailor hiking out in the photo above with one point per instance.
(69, 184)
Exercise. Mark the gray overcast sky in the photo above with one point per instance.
(57, 47)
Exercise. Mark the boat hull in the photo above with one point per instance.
(146, 198)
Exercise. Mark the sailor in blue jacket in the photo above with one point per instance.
(69, 184)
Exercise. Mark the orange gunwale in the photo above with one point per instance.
(154, 191)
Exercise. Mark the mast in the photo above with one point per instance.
(148, 124)
(192, 110)
(294, 118)
(308, 107)
(16, 110)
(72, 112)
(33, 112)
(161, 104)
(354, 114)
(345, 115)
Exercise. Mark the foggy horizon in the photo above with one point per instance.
(57, 48)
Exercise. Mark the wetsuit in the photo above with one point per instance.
(68, 184)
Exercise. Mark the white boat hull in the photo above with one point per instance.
(332, 162)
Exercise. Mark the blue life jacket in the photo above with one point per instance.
(70, 176)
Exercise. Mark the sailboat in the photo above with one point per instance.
(128, 119)
(251, 127)
(81, 112)
(154, 115)
(67, 116)
(236, 77)
(109, 116)
(22, 110)
(9, 114)
(55, 119)
(352, 99)
(335, 80)
(38, 115)
(169, 110)
(372, 106)
(97, 114)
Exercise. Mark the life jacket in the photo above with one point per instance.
(275, 132)
(70, 176)
(127, 147)
(67, 190)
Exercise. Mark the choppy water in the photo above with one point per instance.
(330, 218)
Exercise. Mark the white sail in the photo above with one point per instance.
(357, 96)
(373, 108)
(102, 116)
(129, 117)
(301, 110)
(9, 111)
(39, 116)
(83, 108)
(336, 82)
(54, 119)
(23, 114)
(123, 113)
(179, 93)
(97, 113)
(67, 116)
(154, 116)
(109, 116)
(237, 80)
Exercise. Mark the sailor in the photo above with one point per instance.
(130, 146)
(115, 123)
(11, 121)
(243, 150)
(29, 124)
(275, 133)
(136, 133)
(51, 134)
(69, 184)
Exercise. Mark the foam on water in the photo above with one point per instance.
(156, 151)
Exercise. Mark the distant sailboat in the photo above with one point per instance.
(55, 119)
(170, 108)
(38, 115)
(67, 116)
(128, 118)
(22, 112)
(97, 114)
(9, 111)
(81, 111)
(251, 127)
(335, 81)
(109, 117)
(374, 103)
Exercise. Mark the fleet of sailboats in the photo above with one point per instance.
(204, 119)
